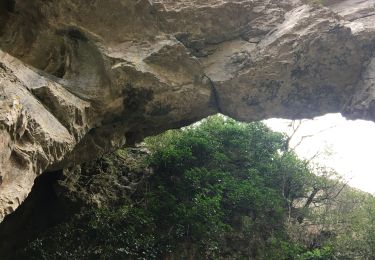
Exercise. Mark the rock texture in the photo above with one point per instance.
(81, 77)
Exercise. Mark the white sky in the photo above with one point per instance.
(350, 146)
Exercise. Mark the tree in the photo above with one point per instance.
(219, 188)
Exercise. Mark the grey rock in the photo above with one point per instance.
(81, 78)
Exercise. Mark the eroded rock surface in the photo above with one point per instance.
(80, 78)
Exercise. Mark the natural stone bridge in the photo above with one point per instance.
(79, 78)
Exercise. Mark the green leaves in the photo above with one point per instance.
(219, 187)
(220, 171)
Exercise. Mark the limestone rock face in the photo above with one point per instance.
(80, 78)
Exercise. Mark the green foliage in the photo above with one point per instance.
(351, 218)
(99, 234)
(325, 253)
(219, 188)
(218, 172)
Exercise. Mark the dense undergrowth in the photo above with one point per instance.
(217, 190)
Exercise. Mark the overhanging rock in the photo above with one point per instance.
(80, 78)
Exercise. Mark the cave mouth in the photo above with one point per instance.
(330, 136)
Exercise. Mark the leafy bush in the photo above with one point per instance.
(219, 188)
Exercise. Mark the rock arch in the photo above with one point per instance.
(79, 78)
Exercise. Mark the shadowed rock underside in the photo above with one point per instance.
(81, 78)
